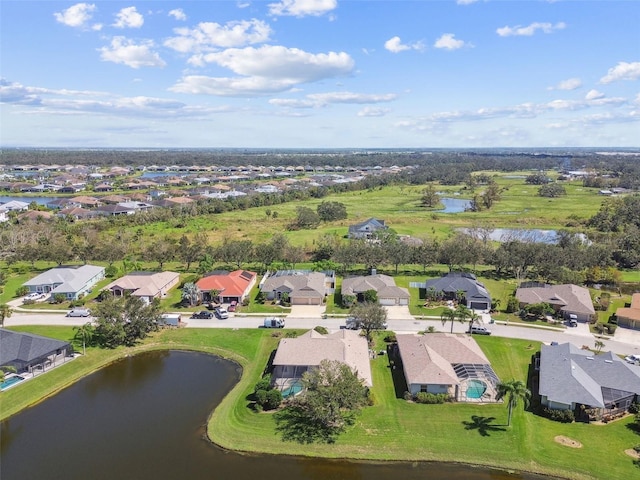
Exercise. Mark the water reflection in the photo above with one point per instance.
(148, 421)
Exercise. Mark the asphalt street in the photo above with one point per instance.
(579, 336)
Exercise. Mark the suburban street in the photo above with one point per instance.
(625, 341)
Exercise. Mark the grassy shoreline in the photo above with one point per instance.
(390, 430)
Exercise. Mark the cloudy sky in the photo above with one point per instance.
(320, 73)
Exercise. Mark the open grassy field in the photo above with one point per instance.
(390, 429)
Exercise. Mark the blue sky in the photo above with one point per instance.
(320, 74)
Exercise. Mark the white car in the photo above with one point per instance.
(33, 296)
(79, 312)
(634, 359)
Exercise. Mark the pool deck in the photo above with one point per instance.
(29, 375)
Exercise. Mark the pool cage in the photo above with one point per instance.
(478, 382)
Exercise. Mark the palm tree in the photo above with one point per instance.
(473, 318)
(191, 293)
(513, 391)
(599, 346)
(5, 312)
(448, 315)
(6, 369)
(85, 331)
(463, 313)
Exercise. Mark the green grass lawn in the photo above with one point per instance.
(391, 429)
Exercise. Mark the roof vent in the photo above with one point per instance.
(608, 361)
(589, 358)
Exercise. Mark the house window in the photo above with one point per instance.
(423, 388)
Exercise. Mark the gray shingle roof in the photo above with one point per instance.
(26, 347)
(571, 298)
(454, 281)
(68, 279)
(571, 375)
(384, 285)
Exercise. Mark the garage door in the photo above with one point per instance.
(479, 306)
(404, 301)
(387, 301)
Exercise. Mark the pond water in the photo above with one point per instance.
(453, 205)
(526, 235)
(145, 417)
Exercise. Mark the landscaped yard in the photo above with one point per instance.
(390, 429)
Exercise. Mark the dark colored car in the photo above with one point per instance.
(203, 314)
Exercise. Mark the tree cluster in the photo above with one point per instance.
(124, 320)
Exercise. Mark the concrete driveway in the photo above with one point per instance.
(398, 312)
(307, 311)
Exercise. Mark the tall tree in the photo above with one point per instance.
(330, 211)
(5, 312)
(430, 197)
(513, 391)
(191, 294)
(370, 317)
(84, 332)
(449, 315)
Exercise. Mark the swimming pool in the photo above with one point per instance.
(10, 381)
(292, 390)
(476, 388)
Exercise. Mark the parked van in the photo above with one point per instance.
(479, 330)
(79, 312)
(273, 322)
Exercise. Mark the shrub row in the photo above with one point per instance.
(427, 398)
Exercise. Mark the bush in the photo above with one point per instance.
(22, 291)
(512, 305)
(390, 338)
(431, 398)
(263, 384)
(59, 298)
(273, 399)
(28, 301)
(407, 396)
(634, 408)
(111, 271)
(611, 328)
(321, 329)
(562, 416)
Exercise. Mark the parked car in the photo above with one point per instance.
(273, 322)
(633, 359)
(79, 312)
(221, 313)
(202, 314)
(33, 296)
(232, 306)
(479, 330)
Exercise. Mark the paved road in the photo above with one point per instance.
(578, 336)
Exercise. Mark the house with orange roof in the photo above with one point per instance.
(629, 317)
(231, 286)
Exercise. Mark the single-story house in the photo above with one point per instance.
(367, 229)
(114, 209)
(571, 377)
(298, 355)
(31, 353)
(14, 206)
(70, 281)
(302, 287)
(454, 285)
(445, 363)
(629, 317)
(572, 301)
(145, 285)
(231, 286)
(384, 286)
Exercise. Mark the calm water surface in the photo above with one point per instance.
(144, 418)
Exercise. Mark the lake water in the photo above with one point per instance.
(526, 235)
(38, 200)
(453, 205)
(145, 417)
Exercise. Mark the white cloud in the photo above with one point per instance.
(230, 87)
(373, 112)
(593, 95)
(302, 8)
(126, 52)
(465, 2)
(349, 97)
(449, 42)
(292, 103)
(569, 84)
(178, 14)
(395, 45)
(77, 15)
(128, 18)
(208, 36)
(529, 30)
(288, 64)
(622, 71)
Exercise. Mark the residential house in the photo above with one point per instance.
(31, 353)
(629, 317)
(451, 364)
(384, 286)
(301, 354)
(463, 287)
(302, 287)
(85, 201)
(230, 286)
(367, 229)
(570, 301)
(77, 213)
(114, 210)
(71, 281)
(14, 206)
(34, 216)
(571, 377)
(144, 285)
